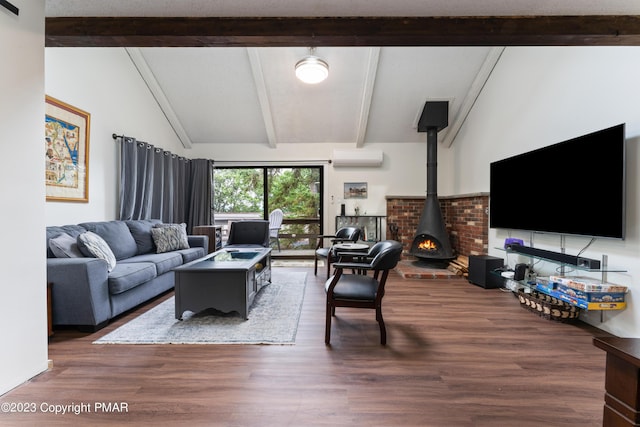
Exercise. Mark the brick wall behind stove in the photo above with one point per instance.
(465, 218)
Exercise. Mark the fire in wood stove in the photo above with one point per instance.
(428, 245)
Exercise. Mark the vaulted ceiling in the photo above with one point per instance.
(223, 71)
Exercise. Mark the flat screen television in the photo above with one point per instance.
(575, 187)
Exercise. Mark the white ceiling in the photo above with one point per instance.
(251, 95)
(373, 95)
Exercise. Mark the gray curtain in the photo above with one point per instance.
(156, 184)
(200, 195)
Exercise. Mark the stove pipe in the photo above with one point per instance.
(431, 226)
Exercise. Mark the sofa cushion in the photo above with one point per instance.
(92, 245)
(65, 246)
(170, 237)
(117, 236)
(141, 232)
(126, 276)
(191, 254)
(164, 262)
(54, 231)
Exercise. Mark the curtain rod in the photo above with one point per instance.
(115, 136)
(256, 162)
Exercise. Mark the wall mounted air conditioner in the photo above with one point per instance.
(357, 158)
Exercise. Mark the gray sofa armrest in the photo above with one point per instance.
(199, 241)
(79, 291)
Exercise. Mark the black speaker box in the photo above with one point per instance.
(480, 271)
(520, 271)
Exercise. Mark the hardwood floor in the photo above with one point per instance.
(457, 355)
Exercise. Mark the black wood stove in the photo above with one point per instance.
(431, 243)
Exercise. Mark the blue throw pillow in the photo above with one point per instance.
(117, 236)
(141, 232)
(65, 246)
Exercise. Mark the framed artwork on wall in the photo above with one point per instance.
(355, 190)
(66, 147)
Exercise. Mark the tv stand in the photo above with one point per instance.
(563, 260)
(561, 257)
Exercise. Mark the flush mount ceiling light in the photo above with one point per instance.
(312, 69)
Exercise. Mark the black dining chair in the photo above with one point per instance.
(248, 234)
(361, 290)
(344, 234)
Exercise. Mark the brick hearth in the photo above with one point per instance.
(409, 269)
(466, 219)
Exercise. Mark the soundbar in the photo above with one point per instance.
(591, 264)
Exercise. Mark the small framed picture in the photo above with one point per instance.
(355, 190)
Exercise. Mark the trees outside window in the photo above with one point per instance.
(245, 193)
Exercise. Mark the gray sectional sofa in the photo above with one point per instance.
(88, 291)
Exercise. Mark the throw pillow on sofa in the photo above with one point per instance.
(117, 235)
(92, 245)
(65, 246)
(170, 237)
(141, 232)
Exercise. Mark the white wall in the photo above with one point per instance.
(403, 171)
(540, 96)
(23, 312)
(105, 83)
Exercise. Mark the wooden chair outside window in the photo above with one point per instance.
(275, 223)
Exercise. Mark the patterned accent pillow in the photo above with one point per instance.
(170, 237)
(65, 246)
(92, 245)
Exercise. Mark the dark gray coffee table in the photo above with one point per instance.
(227, 280)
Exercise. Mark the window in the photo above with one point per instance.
(253, 192)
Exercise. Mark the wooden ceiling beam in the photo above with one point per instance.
(590, 30)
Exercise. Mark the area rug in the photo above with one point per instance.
(273, 319)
